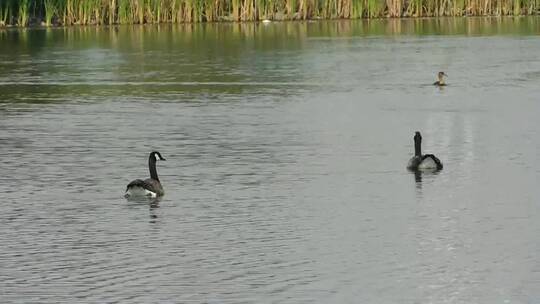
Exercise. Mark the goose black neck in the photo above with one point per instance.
(417, 146)
(152, 167)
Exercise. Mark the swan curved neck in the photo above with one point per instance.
(152, 167)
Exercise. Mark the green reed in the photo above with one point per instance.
(100, 12)
(357, 8)
(415, 8)
(50, 11)
(23, 12)
(4, 12)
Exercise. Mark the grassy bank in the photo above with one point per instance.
(87, 12)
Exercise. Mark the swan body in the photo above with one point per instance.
(426, 162)
(150, 187)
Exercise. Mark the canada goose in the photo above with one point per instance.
(440, 82)
(426, 162)
(150, 187)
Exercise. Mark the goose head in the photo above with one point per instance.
(417, 137)
(156, 156)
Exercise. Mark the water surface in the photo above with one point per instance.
(285, 179)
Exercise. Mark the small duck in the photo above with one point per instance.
(426, 162)
(440, 82)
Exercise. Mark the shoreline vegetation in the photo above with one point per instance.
(24, 13)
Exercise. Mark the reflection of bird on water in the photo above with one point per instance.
(418, 176)
(440, 82)
(418, 179)
(426, 162)
(150, 187)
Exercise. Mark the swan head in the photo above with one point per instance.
(156, 156)
(417, 136)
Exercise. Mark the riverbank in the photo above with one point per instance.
(24, 13)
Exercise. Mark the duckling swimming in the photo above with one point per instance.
(440, 82)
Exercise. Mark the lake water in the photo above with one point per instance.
(285, 179)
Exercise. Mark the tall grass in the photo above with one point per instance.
(5, 12)
(23, 12)
(98, 12)
(50, 11)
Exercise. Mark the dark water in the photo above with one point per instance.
(285, 177)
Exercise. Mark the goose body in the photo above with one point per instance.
(440, 82)
(426, 162)
(150, 187)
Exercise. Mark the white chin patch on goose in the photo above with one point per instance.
(157, 157)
